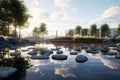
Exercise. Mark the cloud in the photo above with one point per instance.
(74, 10)
(39, 13)
(56, 16)
(36, 2)
(111, 15)
(63, 3)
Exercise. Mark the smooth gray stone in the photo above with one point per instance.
(43, 50)
(81, 58)
(73, 53)
(40, 57)
(59, 52)
(112, 53)
(34, 52)
(117, 56)
(77, 49)
(59, 57)
(15, 54)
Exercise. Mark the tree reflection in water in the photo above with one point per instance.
(21, 64)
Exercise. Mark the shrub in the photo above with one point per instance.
(20, 63)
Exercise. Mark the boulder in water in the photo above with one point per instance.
(117, 56)
(34, 52)
(59, 52)
(15, 54)
(73, 53)
(112, 53)
(40, 57)
(59, 57)
(77, 49)
(81, 58)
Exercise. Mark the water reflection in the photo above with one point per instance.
(110, 64)
(64, 72)
(107, 61)
(39, 62)
(98, 66)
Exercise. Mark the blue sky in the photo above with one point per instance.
(62, 15)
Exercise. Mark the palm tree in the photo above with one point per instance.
(105, 30)
(78, 30)
(93, 29)
(118, 30)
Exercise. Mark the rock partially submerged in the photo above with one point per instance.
(91, 51)
(34, 52)
(73, 53)
(15, 54)
(112, 53)
(77, 49)
(6, 71)
(117, 56)
(44, 50)
(59, 52)
(40, 57)
(59, 57)
(81, 58)
(25, 50)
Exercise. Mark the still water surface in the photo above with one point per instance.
(98, 67)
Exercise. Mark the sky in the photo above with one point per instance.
(62, 15)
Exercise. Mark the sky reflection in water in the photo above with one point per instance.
(98, 67)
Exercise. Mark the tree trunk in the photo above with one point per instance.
(19, 33)
(15, 34)
(8, 31)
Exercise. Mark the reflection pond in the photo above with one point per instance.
(98, 67)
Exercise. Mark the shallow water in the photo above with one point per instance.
(98, 67)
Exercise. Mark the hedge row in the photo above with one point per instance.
(77, 39)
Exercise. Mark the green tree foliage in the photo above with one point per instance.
(84, 32)
(105, 30)
(93, 29)
(78, 30)
(5, 17)
(3, 30)
(20, 13)
(118, 30)
(14, 12)
(42, 29)
(70, 33)
(35, 32)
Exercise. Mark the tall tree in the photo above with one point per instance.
(3, 30)
(93, 29)
(84, 32)
(70, 33)
(35, 33)
(78, 30)
(20, 13)
(118, 30)
(6, 18)
(105, 30)
(15, 12)
(42, 29)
